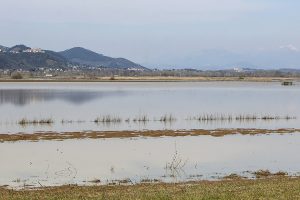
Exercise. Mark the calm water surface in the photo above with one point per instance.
(205, 157)
(87, 101)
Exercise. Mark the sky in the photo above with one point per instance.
(155, 33)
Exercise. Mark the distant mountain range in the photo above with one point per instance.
(3, 48)
(218, 59)
(87, 57)
(27, 58)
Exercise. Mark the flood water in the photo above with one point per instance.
(47, 163)
(203, 157)
(85, 102)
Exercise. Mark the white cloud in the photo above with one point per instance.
(289, 47)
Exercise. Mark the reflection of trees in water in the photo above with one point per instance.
(26, 96)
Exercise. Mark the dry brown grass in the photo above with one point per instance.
(267, 173)
(133, 134)
(233, 177)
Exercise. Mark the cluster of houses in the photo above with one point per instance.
(34, 50)
(30, 50)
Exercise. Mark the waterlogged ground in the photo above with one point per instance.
(168, 159)
(204, 157)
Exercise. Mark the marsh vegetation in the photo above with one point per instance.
(239, 117)
(167, 118)
(108, 119)
(24, 122)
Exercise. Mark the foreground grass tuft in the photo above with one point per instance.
(270, 188)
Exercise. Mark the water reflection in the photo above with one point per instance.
(22, 97)
(166, 105)
(166, 159)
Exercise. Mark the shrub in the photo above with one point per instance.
(16, 75)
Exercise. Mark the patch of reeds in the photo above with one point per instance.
(108, 119)
(287, 83)
(248, 117)
(72, 121)
(25, 122)
(167, 118)
(267, 173)
(95, 181)
(241, 118)
(233, 176)
(148, 180)
(174, 168)
(125, 181)
(143, 119)
(213, 117)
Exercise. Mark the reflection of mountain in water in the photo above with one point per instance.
(27, 96)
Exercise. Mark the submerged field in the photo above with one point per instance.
(112, 139)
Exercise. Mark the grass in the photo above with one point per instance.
(25, 122)
(63, 121)
(269, 188)
(232, 177)
(147, 180)
(267, 173)
(167, 118)
(287, 83)
(108, 119)
(240, 117)
(134, 134)
(143, 119)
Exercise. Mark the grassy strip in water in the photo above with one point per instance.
(246, 117)
(142, 119)
(108, 119)
(133, 134)
(269, 188)
(25, 121)
(167, 118)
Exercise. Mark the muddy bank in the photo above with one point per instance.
(134, 134)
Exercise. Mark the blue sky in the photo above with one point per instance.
(156, 32)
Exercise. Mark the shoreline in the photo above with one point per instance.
(158, 79)
(280, 187)
(61, 136)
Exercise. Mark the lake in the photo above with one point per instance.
(81, 103)
(75, 106)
